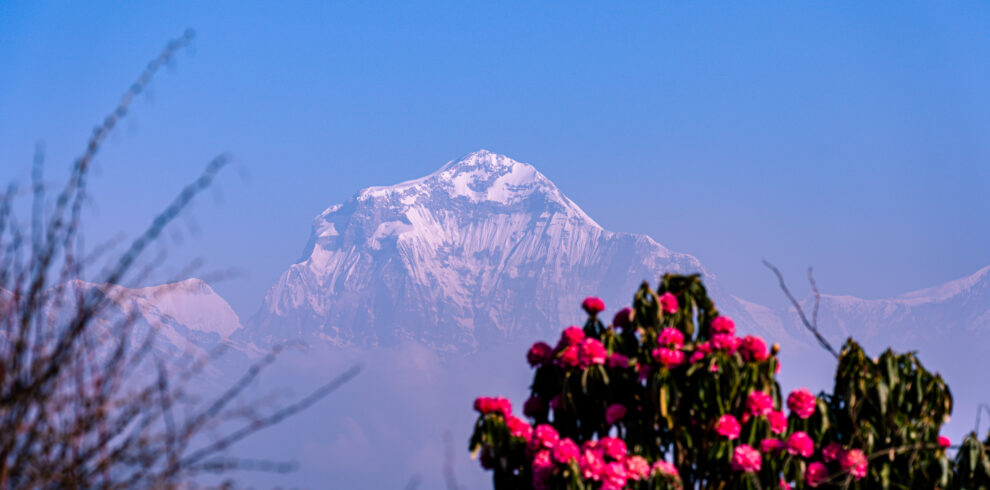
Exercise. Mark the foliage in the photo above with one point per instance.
(667, 396)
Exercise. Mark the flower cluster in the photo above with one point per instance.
(609, 404)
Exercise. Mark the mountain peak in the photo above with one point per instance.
(478, 177)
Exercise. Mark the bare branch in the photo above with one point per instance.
(811, 326)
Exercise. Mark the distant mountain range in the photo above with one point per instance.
(485, 249)
(488, 250)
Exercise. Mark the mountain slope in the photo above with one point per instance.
(485, 249)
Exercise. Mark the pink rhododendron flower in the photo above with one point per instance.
(784, 485)
(542, 469)
(944, 442)
(614, 413)
(723, 325)
(571, 356)
(725, 342)
(614, 447)
(591, 464)
(617, 361)
(713, 368)
(593, 305)
(816, 474)
(623, 318)
(770, 445)
(638, 467)
(831, 452)
(668, 303)
(753, 349)
(670, 337)
(668, 357)
(592, 352)
(540, 353)
(545, 436)
(535, 407)
(519, 427)
(853, 461)
(665, 468)
(778, 421)
(565, 451)
(571, 335)
(802, 402)
(486, 405)
(697, 356)
(800, 443)
(614, 476)
(759, 403)
(746, 458)
(727, 426)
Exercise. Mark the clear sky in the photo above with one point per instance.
(853, 136)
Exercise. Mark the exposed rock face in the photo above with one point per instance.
(484, 249)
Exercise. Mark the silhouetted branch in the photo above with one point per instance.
(812, 326)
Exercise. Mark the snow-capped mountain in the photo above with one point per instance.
(187, 317)
(931, 319)
(484, 249)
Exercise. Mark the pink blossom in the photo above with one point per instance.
(565, 451)
(614, 447)
(723, 325)
(617, 361)
(671, 337)
(668, 357)
(770, 445)
(746, 458)
(591, 464)
(546, 436)
(725, 342)
(713, 368)
(592, 352)
(816, 474)
(542, 468)
(784, 485)
(487, 405)
(753, 349)
(800, 443)
(778, 421)
(535, 407)
(853, 461)
(638, 467)
(623, 318)
(571, 356)
(704, 347)
(614, 413)
(539, 354)
(668, 303)
(944, 442)
(665, 468)
(802, 402)
(519, 427)
(759, 403)
(831, 452)
(727, 426)
(615, 476)
(697, 356)
(571, 335)
(593, 305)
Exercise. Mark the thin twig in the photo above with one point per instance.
(812, 327)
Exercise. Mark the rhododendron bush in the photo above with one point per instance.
(669, 395)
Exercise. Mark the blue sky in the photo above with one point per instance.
(852, 136)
